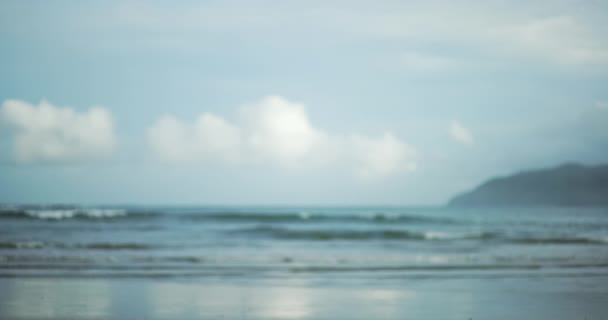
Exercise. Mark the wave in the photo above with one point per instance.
(352, 234)
(22, 245)
(57, 213)
(29, 245)
(295, 217)
(69, 214)
(115, 246)
(284, 233)
(560, 240)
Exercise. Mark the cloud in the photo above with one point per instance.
(276, 131)
(50, 134)
(460, 133)
(209, 137)
(379, 157)
(279, 130)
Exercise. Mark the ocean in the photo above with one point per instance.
(303, 248)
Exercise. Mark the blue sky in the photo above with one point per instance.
(294, 102)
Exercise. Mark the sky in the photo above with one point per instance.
(294, 102)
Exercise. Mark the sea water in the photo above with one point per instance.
(327, 245)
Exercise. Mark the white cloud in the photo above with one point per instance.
(379, 157)
(50, 134)
(209, 137)
(279, 130)
(460, 133)
(275, 131)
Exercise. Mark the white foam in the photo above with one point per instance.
(71, 213)
(105, 213)
(439, 236)
(29, 245)
(304, 215)
(51, 214)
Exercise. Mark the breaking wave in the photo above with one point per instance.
(352, 234)
(273, 232)
(67, 214)
(298, 217)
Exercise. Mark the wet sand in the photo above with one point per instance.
(580, 297)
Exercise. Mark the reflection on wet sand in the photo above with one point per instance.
(299, 299)
(287, 302)
(175, 300)
(303, 298)
(180, 299)
(40, 298)
(166, 299)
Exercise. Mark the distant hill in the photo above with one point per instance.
(566, 185)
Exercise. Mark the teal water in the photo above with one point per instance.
(334, 244)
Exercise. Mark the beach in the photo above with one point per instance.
(521, 297)
(303, 263)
